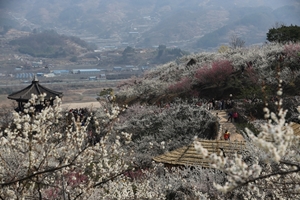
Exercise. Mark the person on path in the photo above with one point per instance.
(213, 104)
(235, 116)
(217, 115)
(229, 116)
(226, 135)
(220, 104)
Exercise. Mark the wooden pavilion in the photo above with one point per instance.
(23, 96)
(296, 128)
(188, 155)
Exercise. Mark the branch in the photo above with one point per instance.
(27, 178)
(106, 180)
(45, 171)
(112, 177)
(272, 174)
(35, 174)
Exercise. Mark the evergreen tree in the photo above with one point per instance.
(284, 34)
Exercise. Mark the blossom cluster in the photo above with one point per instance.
(273, 168)
(178, 75)
(218, 72)
(41, 156)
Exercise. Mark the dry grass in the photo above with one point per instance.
(89, 105)
(4, 100)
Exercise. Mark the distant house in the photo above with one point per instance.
(39, 74)
(129, 67)
(102, 76)
(93, 78)
(135, 69)
(24, 75)
(60, 72)
(37, 64)
(89, 71)
(145, 67)
(118, 68)
(75, 71)
(19, 68)
(49, 75)
(85, 71)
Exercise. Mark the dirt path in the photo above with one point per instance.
(89, 105)
(234, 135)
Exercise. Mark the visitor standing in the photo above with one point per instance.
(229, 116)
(235, 116)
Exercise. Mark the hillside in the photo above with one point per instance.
(241, 73)
(169, 113)
(251, 26)
(49, 44)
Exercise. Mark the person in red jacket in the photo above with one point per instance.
(226, 135)
(235, 116)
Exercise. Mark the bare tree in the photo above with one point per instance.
(278, 25)
(236, 42)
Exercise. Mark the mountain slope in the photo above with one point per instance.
(51, 45)
(239, 72)
(148, 23)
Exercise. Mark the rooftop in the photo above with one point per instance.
(34, 88)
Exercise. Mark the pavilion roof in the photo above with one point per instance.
(296, 128)
(34, 88)
(188, 155)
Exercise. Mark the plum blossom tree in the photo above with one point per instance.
(272, 170)
(158, 129)
(42, 156)
(41, 159)
(217, 73)
(156, 82)
(292, 53)
(183, 85)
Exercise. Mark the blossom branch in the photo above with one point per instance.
(35, 174)
(270, 175)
